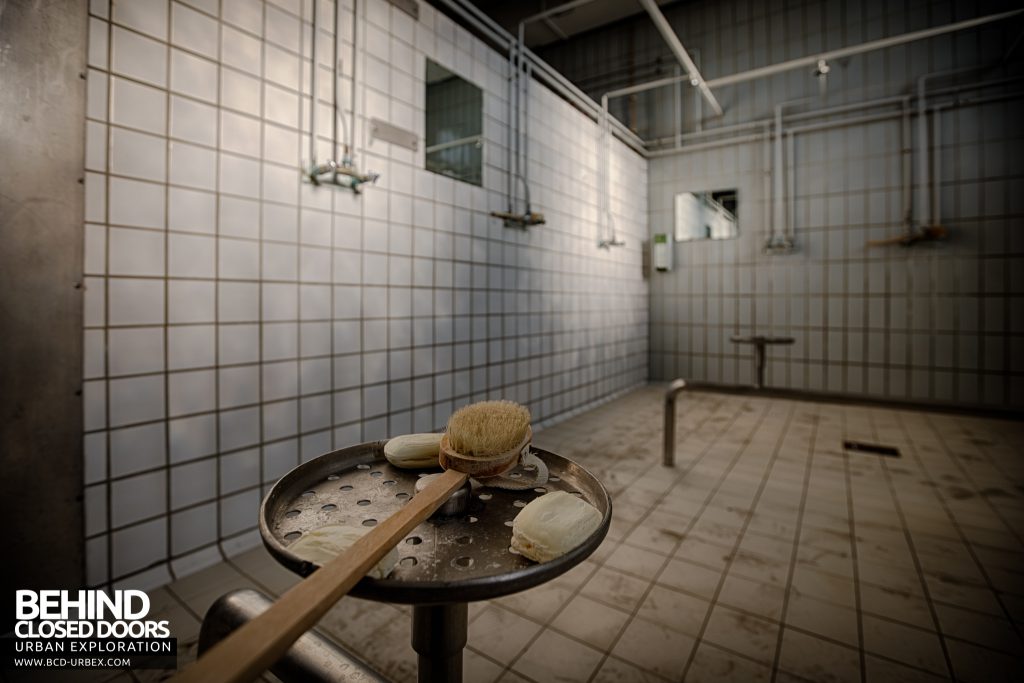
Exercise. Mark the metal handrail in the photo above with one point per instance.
(669, 451)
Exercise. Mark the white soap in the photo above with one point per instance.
(322, 545)
(552, 525)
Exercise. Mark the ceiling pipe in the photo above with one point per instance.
(661, 23)
(475, 19)
(547, 14)
(812, 60)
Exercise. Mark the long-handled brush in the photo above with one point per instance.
(482, 439)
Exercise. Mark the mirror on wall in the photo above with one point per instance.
(709, 215)
(454, 125)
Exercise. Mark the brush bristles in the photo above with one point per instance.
(488, 428)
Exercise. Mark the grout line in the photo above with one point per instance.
(913, 554)
(579, 588)
(955, 523)
(795, 552)
(858, 600)
(693, 521)
(766, 475)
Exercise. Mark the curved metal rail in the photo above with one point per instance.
(669, 450)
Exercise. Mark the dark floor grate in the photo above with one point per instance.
(874, 448)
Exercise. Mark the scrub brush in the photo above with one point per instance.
(486, 439)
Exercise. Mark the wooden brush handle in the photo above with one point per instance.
(254, 647)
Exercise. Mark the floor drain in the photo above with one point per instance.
(874, 448)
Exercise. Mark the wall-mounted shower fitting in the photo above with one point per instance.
(515, 220)
(779, 244)
(344, 175)
(608, 244)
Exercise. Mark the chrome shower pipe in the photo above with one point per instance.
(350, 153)
(339, 113)
(314, 94)
(526, 138)
(510, 176)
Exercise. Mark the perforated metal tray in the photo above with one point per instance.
(443, 560)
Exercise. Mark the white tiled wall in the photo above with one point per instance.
(932, 323)
(240, 321)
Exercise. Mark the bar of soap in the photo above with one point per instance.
(322, 545)
(552, 525)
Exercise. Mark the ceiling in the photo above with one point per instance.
(562, 26)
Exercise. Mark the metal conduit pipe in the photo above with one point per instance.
(923, 205)
(766, 174)
(676, 45)
(315, 93)
(848, 121)
(508, 129)
(798, 116)
(778, 211)
(907, 162)
(812, 60)
(526, 138)
(922, 146)
(937, 160)
(851, 50)
(711, 144)
(352, 81)
(789, 229)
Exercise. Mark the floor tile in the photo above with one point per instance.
(713, 665)
(817, 659)
(615, 588)
(823, 619)
(680, 611)
(743, 633)
(654, 647)
(615, 670)
(553, 657)
(906, 644)
(592, 622)
(666, 566)
(501, 634)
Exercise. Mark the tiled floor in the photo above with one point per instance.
(767, 553)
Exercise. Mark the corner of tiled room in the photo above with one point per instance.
(239, 322)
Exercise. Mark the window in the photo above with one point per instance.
(706, 215)
(454, 125)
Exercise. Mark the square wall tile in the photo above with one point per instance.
(135, 252)
(191, 210)
(135, 449)
(146, 16)
(193, 121)
(137, 498)
(138, 546)
(193, 75)
(136, 399)
(135, 350)
(190, 346)
(137, 154)
(194, 31)
(137, 203)
(191, 256)
(136, 301)
(138, 106)
(139, 57)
